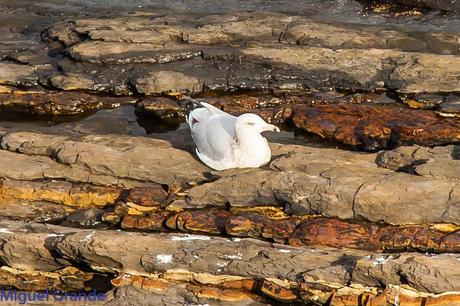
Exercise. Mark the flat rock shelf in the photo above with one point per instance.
(101, 190)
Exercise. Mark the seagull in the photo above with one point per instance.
(224, 141)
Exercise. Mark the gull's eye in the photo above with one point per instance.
(250, 123)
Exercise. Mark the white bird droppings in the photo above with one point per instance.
(163, 258)
(381, 260)
(187, 237)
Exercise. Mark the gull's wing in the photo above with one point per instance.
(213, 131)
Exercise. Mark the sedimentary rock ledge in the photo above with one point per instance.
(196, 53)
(262, 269)
(100, 188)
(300, 179)
(452, 6)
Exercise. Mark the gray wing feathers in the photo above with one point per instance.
(212, 130)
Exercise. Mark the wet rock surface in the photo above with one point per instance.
(453, 6)
(100, 187)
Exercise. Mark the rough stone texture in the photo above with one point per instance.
(375, 127)
(97, 160)
(301, 179)
(265, 222)
(167, 81)
(446, 5)
(323, 57)
(440, 162)
(212, 261)
(68, 278)
(58, 192)
(239, 50)
(15, 74)
(336, 184)
(59, 103)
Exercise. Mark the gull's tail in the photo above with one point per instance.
(187, 103)
(190, 105)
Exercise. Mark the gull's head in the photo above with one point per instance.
(253, 123)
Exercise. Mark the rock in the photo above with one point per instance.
(131, 295)
(255, 225)
(373, 201)
(169, 292)
(269, 223)
(369, 236)
(439, 5)
(406, 76)
(210, 222)
(277, 292)
(64, 32)
(352, 227)
(438, 162)
(112, 79)
(450, 107)
(374, 127)
(424, 101)
(60, 103)
(71, 82)
(150, 223)
(151, 196)
(124, 53)
(248, 259)
(318, 187)
(167, 81)
(17, 75)
(58, 192)
(382, 269)
(38, 211)
(206, 53)
(88, 218)
(306, 183)
(222, 263)
(70, 279)
(161, 107)
(95, 160)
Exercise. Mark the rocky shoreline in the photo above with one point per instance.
(100, 188)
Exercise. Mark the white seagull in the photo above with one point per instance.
(224, 141)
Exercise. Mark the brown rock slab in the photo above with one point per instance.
(149, 223)
(158, 106)
(168, 81)
(445, 5)
(58, 192)
(375, 127)
(101, 160)
(148, 196)
(59, 103)
(373, 237)
(17, 75)
(375, 269)
(295, 230)
(203, 221)
(125, 53)
(213, 260)
(256, 225)
(333, 183)
(278, 292)
(70, 279)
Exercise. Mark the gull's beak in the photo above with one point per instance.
(272, 128)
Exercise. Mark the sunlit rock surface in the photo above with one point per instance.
(100, 187)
